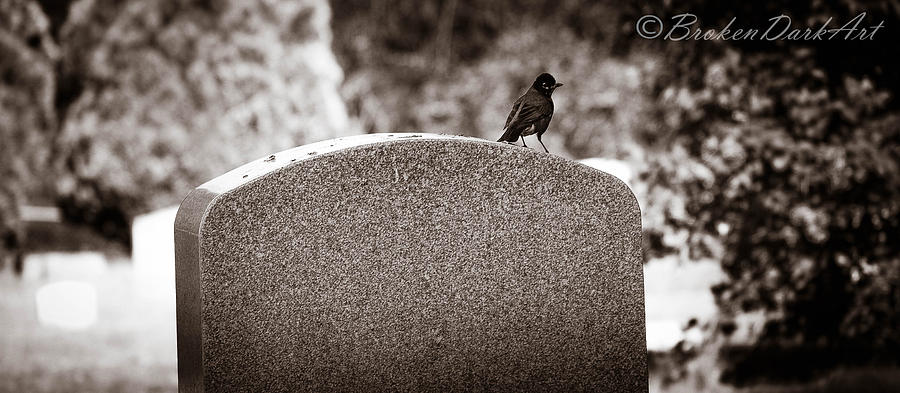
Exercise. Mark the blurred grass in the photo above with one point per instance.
(130, 348)
(844, 380)
(702, 372)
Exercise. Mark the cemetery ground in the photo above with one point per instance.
(130, 347)
(128, 343)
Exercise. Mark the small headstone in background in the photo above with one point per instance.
(153, 255)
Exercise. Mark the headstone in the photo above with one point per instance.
(153, 255)
(410, 262)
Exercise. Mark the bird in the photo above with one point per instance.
(531, 113)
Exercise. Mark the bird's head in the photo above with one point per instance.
(545, 83)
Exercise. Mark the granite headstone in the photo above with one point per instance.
(410, 262)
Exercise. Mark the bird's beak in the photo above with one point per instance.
(557, 85)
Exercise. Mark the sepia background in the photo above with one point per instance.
(768, 172)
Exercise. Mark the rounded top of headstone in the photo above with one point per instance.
(274, 162)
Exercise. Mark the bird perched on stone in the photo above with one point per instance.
(531, 113)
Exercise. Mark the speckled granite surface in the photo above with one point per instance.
(410, 263)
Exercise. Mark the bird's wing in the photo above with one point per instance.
(533, 110)
(514, 113)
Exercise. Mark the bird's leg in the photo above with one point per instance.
(523, 141)
(542, 144)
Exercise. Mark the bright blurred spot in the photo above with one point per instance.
(723, 228)
(663, 335)
(617, 168)
(675, 293)
(67, 304)
(40, 213)
(153, 254)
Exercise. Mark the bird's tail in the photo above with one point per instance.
(507, 134)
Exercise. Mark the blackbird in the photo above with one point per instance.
(531, 113)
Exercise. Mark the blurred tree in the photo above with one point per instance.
(147, 99)
(782, 159)
(27, 117)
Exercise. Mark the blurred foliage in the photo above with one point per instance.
(130, 104)
(782, 160)
(456, 66)
(27, 115)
